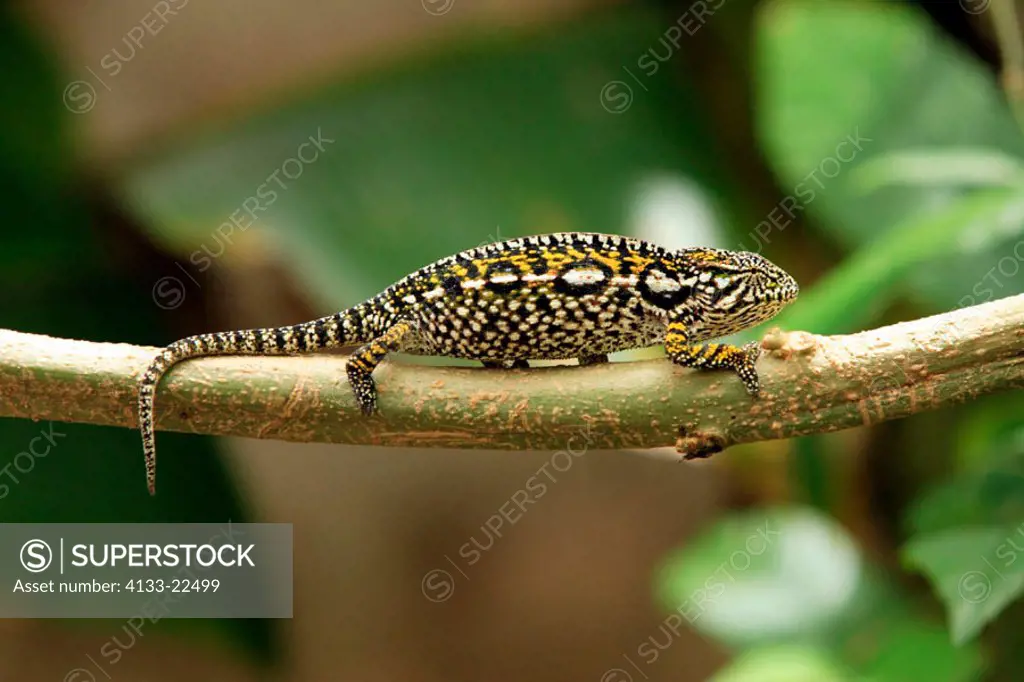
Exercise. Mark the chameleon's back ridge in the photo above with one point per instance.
(546, 297)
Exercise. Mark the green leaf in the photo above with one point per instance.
(882, 73)
(855, 291)
(914, 651)
(976, 571)
(937, 167)
(790, 663)
(775, 574)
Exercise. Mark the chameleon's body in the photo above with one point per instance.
(548, 297)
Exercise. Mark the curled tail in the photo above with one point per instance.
(346, 327)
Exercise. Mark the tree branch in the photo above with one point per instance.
(810, 384)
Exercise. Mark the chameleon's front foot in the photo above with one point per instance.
(363, 387)
(740, 359)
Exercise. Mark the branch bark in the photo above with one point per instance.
(810, 384)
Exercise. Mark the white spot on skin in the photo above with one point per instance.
(580, 277)
(411, 298)
(504, 278)
(538, 278)
(434, 293)
(660, 283)
(473, 283)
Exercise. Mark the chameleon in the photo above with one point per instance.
(569, 295)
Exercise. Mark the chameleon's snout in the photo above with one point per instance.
(789, 288)
(777, 284)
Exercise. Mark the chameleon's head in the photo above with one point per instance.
(737, 289)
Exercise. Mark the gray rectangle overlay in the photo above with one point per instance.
(152, 570)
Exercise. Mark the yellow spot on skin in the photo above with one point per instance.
(481, 266)
(638, 263)
(557, 261)
(706, 256)
(610, 260)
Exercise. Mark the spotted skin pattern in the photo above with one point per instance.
(546, 297)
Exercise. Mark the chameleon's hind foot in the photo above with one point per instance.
(366, 358)
(363, 388)
(740, 359)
